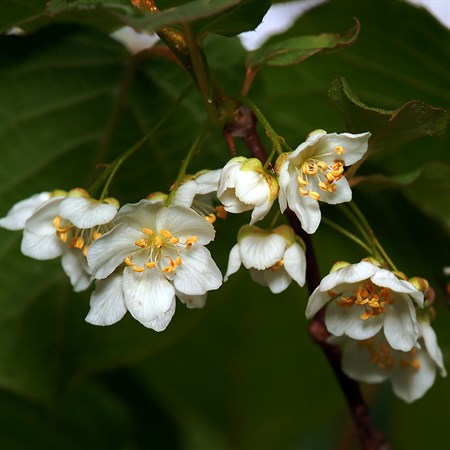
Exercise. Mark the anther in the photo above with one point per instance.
(138, 269)
(96, 235)
(211, 218)
(147, 231)
(191, 240)
(141, 243)
(339, 149)
(314, 195)
(150, 265)
(128, 262)
(302, 181)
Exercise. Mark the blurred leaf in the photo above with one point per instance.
(295, 50)
(390, 129)
(430, 192)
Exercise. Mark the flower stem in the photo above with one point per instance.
(108, 174)
(346, 233)
(270, 132)
(194, 148)
(379, 250)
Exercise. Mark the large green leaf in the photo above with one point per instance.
(390, 129)
(295, 50)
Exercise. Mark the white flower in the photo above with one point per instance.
(23, 210)
(274, 257)
(363, 298)
(245, 185)
(314, 171)
(65, 225)
(199, 192)
(411, 373)
(160, 252)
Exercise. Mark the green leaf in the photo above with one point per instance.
(429, 191)
(225, 17)
(390, 129)
(295, 50)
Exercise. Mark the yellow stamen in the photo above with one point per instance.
(128, 262)
(220, 212)
(138, 269)
(277, 266)
(191, 240)
(314, 195)
(301, 181)
(165, 233)
(339, 150)
(147, 231)
(365, 316)
(96, 235)
(150, 265)
(211, 218)
(141, 243)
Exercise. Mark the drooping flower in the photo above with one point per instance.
(245, 185)
(274, 257)
(133, 41)
(159, 254)
(23, 210)
(411, 372)
(362, 298)
(199, 192)
(65, 225)
(314, 172)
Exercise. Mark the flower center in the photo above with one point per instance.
(77, 237)
(156, 248)
(317, 169)
(381, 354)
(373, 298)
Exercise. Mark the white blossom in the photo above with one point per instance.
(23, 210)
(134, 41)
(411, 373)
(273, 257)
(314, 171)
(245, 185)
(159, 254)
(199, 192)
(62, 224)
(362, 298)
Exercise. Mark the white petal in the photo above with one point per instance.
(353, 273)
(252, 187)
(356, 363)
(306, 209)
(109, 251)
(355, 145)
(260, 212)
(387, 279)
(198, 272)
(347, 320)
(107, 302)
(409, 384)
(261, 249)
(76, 268)
(39, 237)
(41, 247)
(227, 176)
(342, 194)
(234, 262)
(183, 223)
(295, 263)
(22, 211)
(316, 301)
(400, 324)
(277, 280)
(431, 344)
(86, 212)
(192, 301)
(232, 204)
(160, 323)
(148, 295)
(139, 215)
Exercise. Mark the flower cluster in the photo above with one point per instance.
(145, 255)
(380, 321)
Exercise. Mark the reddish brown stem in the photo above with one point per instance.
(244, 127)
